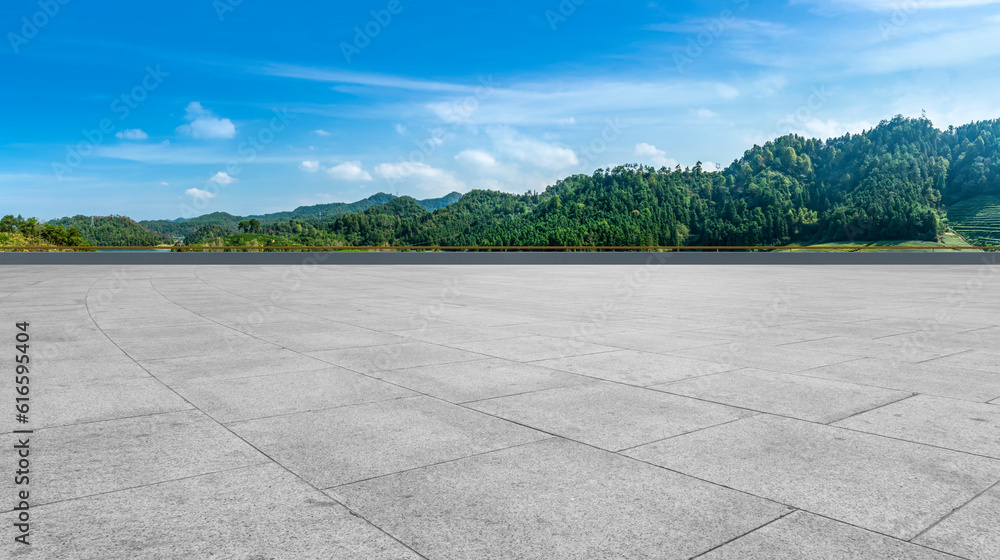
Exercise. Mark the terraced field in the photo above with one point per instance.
(977, 220)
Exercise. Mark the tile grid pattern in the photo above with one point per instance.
(389, 387)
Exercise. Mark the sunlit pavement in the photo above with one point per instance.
(496, 412)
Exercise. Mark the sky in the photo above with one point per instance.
(164, 110)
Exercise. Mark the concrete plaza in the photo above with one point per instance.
(506, 412)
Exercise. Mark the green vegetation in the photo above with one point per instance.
(20, 232)
(113, 231)
(902, 180)
(248, 242)
(181, 228)
(977, 220)
(888, 183)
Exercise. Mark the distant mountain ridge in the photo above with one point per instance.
(182, 227)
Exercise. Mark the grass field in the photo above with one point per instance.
(949, 241)
(977, 219)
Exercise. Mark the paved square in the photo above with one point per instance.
(506, 413)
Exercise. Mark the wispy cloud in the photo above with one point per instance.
(349, 171)
(131, 134)
(198, 193)
(892, 5)
(360, 78)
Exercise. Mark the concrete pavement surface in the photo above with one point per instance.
(501, 412)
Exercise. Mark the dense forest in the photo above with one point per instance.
(319, 213)
(902, 180)
(16, 231)
(113, 231)
(891, 182)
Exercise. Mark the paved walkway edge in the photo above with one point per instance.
(462, 258)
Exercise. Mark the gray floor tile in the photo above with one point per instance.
(204, 517)
(555, 500)
(885, 485)
(949, 423)
(634, 367)
(243, 398)
(531, 348)
(970, 532)
(930, 377)
(394, 356)
(801, 536)
(352, 443)
(480, 379)
(816, 400)
(609, 415)
(772, 358)
(87, 459)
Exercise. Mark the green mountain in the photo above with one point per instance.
(901, 180)
(890, 182)
(112, 231)
(183, 227)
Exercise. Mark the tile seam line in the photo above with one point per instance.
(907, 397)
(224, 427)
(740, 536)
(147, 485)
(298, 312)
(953, 512)
(319, 410)
(759, 413)
(804, 372)
(630, 458)
(117, 419)
(547, 437)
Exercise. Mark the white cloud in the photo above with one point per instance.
(570, 121)
(704, 114)
(204, 124)
(309, 166)
(164, 183)
(531, 151)
(321, 132)
(969, 47)
(657, 156)
(223, 178)
(770, 84)
(727, 91)
(349, 171)
(132, 134)
(198, 193)
(476, 158)
(893, 5)
(426, 177)
(823, 130)
(400, 129)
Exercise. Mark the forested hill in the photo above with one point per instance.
(223, 221)
(891, 182)
(112, 231)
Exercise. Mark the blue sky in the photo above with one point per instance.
(164, 110)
